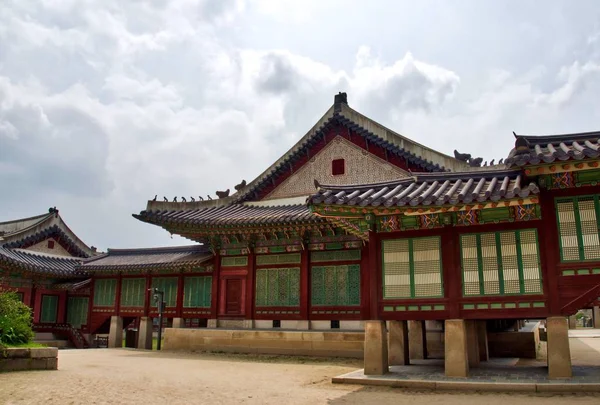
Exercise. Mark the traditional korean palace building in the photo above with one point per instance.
(355, 227)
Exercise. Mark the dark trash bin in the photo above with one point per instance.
(131, 338)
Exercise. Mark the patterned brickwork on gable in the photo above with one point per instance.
(42, 247)
(360, 167)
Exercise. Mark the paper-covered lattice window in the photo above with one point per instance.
(578, 228)
(412, 268)
(501, 263)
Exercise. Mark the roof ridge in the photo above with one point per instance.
(27, 219)
(159, 249)
(426, 176)
(43, 254)
(546, 138)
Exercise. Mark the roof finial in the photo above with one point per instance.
(338, 100)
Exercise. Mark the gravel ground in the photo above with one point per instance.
(122, 376)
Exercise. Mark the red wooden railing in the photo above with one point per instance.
(67, 330)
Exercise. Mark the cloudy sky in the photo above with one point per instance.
(104, 104)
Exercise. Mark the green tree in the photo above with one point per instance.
(15, 319)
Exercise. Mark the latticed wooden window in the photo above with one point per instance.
(265, 260)
(501, 263)
(278, 287)
(197, 292)
(412, 268)
(77, 311)
(49, 308)
(335, 255)
(104, 292)
(335, 285)
(234, 261)
(169, 286)
(578, 228)
(133, 292)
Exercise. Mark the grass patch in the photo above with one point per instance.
(26, 345)
(155, 343)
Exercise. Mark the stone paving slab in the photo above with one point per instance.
(494, 376)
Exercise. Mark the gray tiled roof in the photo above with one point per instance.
(50, 265)
(25, 232)
(149, 258)
(233, 214)
(547, 149)
(430, 189)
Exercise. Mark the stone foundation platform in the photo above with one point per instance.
(300, 343)
(17, 359)
(496, 375)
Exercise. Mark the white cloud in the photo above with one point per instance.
(104, 104)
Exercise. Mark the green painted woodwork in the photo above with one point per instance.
(501, 263)
(104, 292)
(49, 308)
(335, 255)
(265, 260)
(169, 286)
(197, 292)
(278, 287)
(587, 177)
(578, 228)
(501, 214)
(412, 268)
(234, 261)
(133, 292)
(77, 311)
(335, 285)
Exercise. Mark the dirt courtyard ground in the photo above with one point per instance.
(122, 376)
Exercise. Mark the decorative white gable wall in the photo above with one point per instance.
(360, 167)
(42, 247)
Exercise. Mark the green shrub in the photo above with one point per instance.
(15, 319)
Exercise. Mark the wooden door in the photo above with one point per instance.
(233, 296)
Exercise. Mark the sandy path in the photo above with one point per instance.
(121, 376)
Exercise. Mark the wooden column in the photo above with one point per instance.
(179, 309)
(118, 296)
(148, 299)
(250, 281)
(549, 251)
(365, 287)
(90, 306)
(215, 285)
(451, 268)
(305, 284)
(373, 276)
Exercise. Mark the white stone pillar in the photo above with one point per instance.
(596, 312)
(115, 335)
(376, 350)
(417, 340)
(456, 361)
(177, 322)
(482, 341)
(559, 353)
(572, 322)
(472, 343)
(398, 343)
(145, 333)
